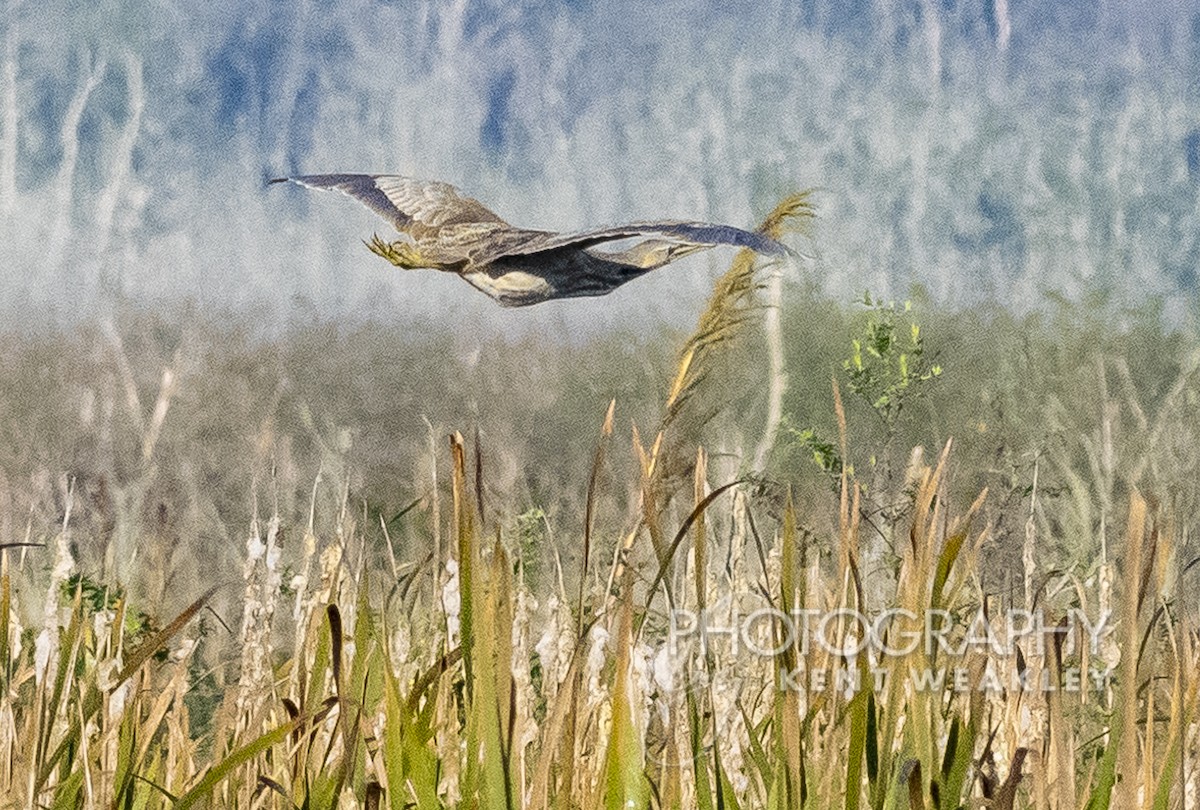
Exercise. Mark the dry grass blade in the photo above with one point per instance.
(625, 786)
(732, 302)
(93, 699)
(700, 538)
(464, 525)
(589, 510)
(204, 788)
(334, 616)
(909, 782)
(430, 676)
(479, 510)
(558, 731)
(680, 536)
(5, 621)
(1008, 791)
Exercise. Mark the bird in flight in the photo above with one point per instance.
(518, 266)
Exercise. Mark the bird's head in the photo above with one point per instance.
(656, 252)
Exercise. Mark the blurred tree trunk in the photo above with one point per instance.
(65, 182)
(8, 141)
(777, 382)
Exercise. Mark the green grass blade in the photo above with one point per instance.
(956, 762)
(857, 749)
(260, 745)
(625, 786)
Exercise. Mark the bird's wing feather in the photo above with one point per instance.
(512, 242)
(416, 207)
(701, 233)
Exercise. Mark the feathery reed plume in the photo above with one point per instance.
(733, 300)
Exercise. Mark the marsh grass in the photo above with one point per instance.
(375, 705)
(452, 649)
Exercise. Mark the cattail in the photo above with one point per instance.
(642, 692)
(525, 730)
(594, 666)
(666, 665)
(302, 607)
(555, 646)
(596, 699)
(46, 644)
(331, 567)
(262, 576)
(402, 652)
(546, 650)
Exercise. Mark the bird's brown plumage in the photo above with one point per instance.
(519, 266)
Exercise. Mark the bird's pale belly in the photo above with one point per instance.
(514, 288)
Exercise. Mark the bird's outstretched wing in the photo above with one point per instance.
(697, 233)
(416, 207)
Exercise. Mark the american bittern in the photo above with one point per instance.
(518, 266)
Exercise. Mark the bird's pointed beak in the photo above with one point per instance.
(686, 249)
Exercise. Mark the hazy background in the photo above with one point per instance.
(988, 149)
